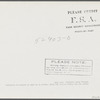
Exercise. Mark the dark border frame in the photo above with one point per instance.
(43, 99)
(51, 0)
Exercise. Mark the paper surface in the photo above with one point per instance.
(50, 50)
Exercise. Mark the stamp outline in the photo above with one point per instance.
(69, 74)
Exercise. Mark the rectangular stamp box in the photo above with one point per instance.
(79, 67)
